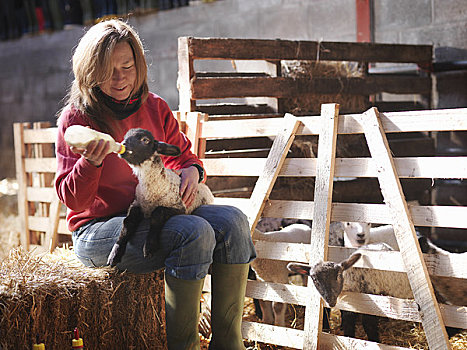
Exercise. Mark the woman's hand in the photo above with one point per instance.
(95, 152)
(189, 184)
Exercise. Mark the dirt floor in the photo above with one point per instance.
(398, 333)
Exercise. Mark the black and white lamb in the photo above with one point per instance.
(330, 279)
(157, 194)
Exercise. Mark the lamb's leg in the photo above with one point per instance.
(349, 320)
(159, 217)
(370, 325)
(268, 314)
(130, 224)
(279, 310)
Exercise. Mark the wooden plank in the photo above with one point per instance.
(264, 49)
(405, 232)
(333, 342)
(18, 131)
(40, 194)
(234, 109)
(45, 135)
(393, 122)
(38, 223)
(321, 217)
(51, 235)
(284, 87)
(185, 74)
(62, 227)
(427, 216)
(454, 265)
(272, 334)
(378, 305)
(277, 154)
(194, 122)
(46, 165)
(407, 167)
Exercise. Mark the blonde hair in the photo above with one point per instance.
(92, 66)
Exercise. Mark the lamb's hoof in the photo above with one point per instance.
(115, 255)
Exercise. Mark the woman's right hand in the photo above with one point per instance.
(95, 152)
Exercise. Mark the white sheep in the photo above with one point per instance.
(157, 193)
(276, 270)
(357, 234)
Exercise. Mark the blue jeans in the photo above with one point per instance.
(188, 243)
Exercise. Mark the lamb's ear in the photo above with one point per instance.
(302, 269)
(166, 149)
(350, 261)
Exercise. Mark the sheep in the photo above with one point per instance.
(157, 194)
(276, 271)
(330, 279)
(357, 234)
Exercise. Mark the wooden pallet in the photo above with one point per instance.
(207, 72)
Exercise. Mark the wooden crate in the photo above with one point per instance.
(201, 83)
(420, 216)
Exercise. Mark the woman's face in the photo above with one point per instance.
(123, 79)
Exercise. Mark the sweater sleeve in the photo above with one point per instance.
(76, 180)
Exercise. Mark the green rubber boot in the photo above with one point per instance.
(182, 308)
(228, 294)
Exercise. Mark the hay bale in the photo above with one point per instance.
(307, 104)
(48, 296)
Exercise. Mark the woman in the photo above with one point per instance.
(110, 94)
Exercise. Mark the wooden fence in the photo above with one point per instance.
(381, 165)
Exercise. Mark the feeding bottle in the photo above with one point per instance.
(77, 342)
(80, 136)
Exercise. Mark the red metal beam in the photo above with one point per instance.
(364, 21)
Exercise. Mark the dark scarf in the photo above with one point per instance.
(120, 109)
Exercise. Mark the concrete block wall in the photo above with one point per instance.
(35, 72)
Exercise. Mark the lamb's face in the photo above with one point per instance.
(356, 234)
(327, 276)
(140, 146)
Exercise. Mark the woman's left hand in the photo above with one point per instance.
(189, 184)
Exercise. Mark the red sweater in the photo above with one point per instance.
(90, 192)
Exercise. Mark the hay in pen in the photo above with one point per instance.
(45, 297)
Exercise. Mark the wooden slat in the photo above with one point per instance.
(18, 131)
(283, 87)
(454, 265)
(47, 165)
(38, 223)
(434, 216)
(293, 338)
(263, 49)
(274, 162)
(185, 73)
(45, 135)
(407, 167)
(62, 227)
(273, 334)
(40, 194)
(393, 122)
(405, 232)
(321, 217)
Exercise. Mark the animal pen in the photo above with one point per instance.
(339, 165)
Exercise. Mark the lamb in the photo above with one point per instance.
(357, 234)
(157, 194)
(276, 271)
(330, 279)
